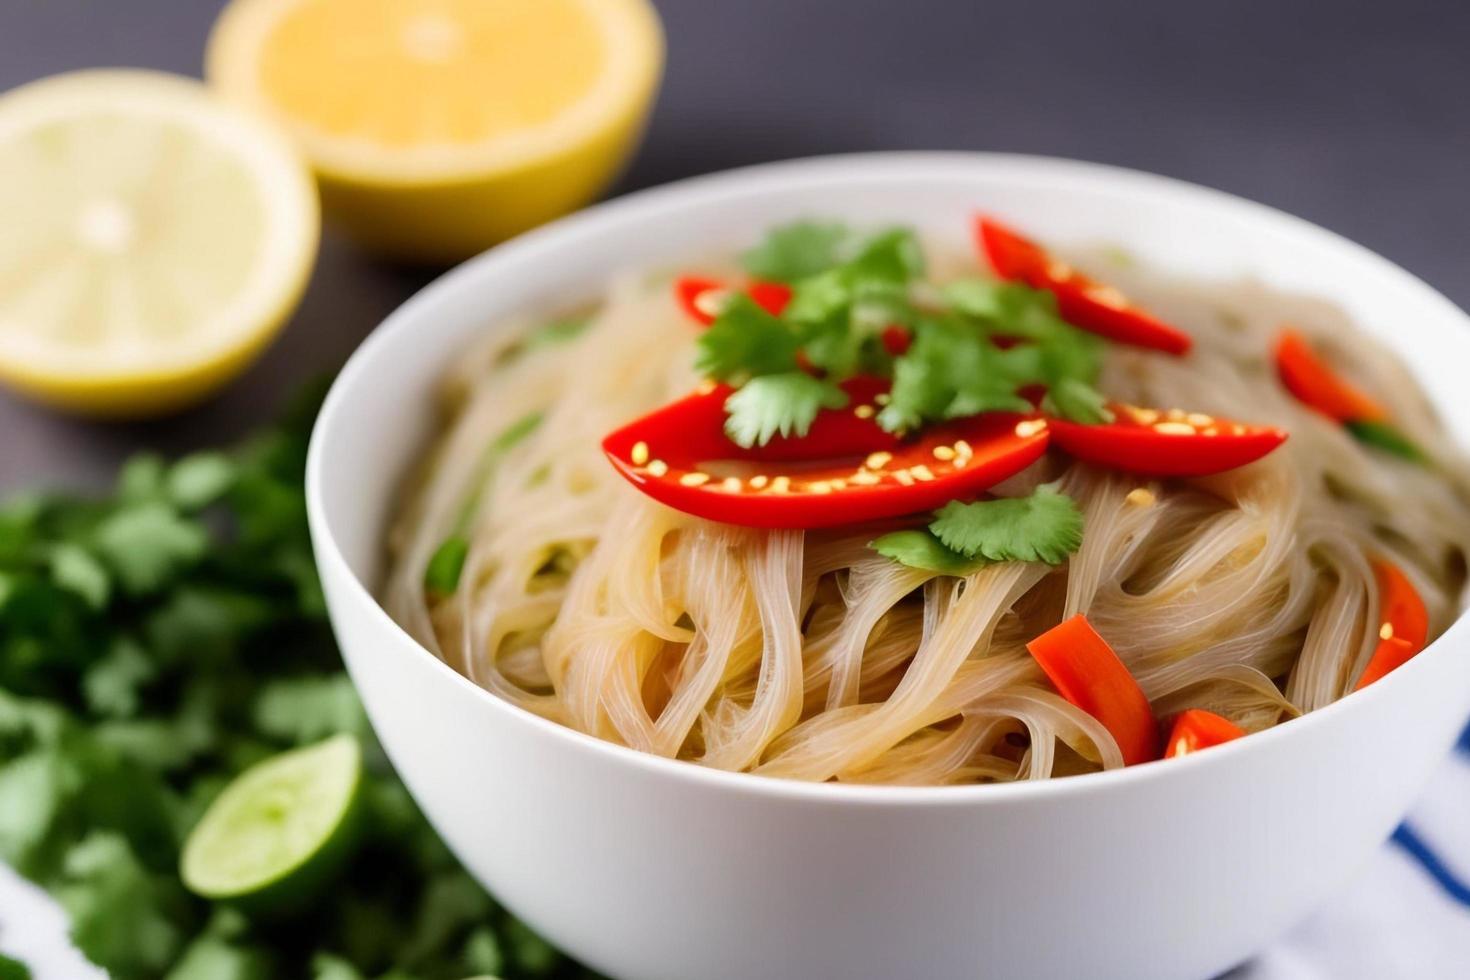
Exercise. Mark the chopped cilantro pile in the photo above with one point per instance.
(846, 292)
(154, 643)
(963, 538)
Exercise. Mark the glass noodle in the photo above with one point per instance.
(808, 656)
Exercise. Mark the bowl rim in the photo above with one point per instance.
(649, 204)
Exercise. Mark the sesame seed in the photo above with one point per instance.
(711, 301)
(1059, 270)
(759, 481)
(838, 484)
(1141, 497)
(1199, 419)
(865, 478)
(921, 472)
(1211, 431)
(1030, 427)
(1385, 632)
(1143, 416)
(881, 398)
(876, 461)
(963, 448)
(864, 411)
(1108, 296)
(705, 388)
(694, 479)
(1174, 428)
(1176, 415)
(781, 484)
(945, 453)
(639, 455)
(904, 477)
(658, 467)
(1238, 430)
(819, 487)
(730, 484)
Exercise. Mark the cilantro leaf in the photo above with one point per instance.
(307, 709)
(1077, 401)
(13, 969)
(75, 569)
(745, 342)
(778, 404)
(147, 544)
(894, 256)
(212, 958)
(197, 481)
(113, 683)
(921, 549)
(121, 913)
(1046, 527)
(795, 251)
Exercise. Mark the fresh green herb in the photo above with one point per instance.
(153, 644)
(1382, 435)
(1077, 401)
(1045, 526)
(557, 332)
(13, 969)
(778, 404)
(746, 342)
(921, 549)
(796, 251)
(441, 577)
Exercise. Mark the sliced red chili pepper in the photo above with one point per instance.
(896, 340)
(1173, 443)
(1086, 671)
(700, 297)
(1197, 729)
(1081, 301)
(846, 470)
(1404, 623)
(1318, 387)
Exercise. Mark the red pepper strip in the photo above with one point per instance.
(1087, 672)
(699, 297)
(676, 455)
(896, 340)
(1197, 729)
(1081, 301)
(1405, 623)
(1318, 387)
(1154, 443)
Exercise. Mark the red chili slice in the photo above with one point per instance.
(1174, 443)
(1404, 627)
(846, 470)
(1317, 386)
(1081, 301)
(699, 297)
(1197, 729)
(1085, 670)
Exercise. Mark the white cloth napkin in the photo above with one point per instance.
(1406, 917)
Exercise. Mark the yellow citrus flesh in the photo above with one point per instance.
(438, 127)
(154, 240)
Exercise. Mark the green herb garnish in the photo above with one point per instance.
(153, 643)
(778, 404)
(1382, 435)
(1045, 526)
(795, 251)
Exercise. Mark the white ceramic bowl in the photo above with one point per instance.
(646, 868)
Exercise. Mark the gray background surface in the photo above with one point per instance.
(1354, 114)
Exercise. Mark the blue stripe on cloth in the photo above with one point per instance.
(1414, 845)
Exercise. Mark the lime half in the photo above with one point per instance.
(280, 829)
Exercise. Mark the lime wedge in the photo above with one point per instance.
(280, 829)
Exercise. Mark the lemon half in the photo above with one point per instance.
(153, 241)
(439, 127)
